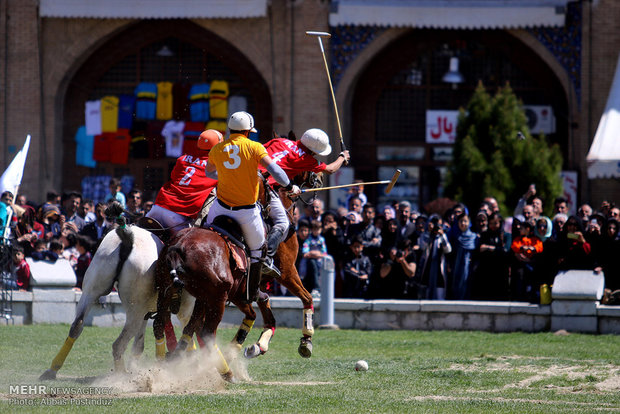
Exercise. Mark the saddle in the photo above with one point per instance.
(155, 227)
(230, 231)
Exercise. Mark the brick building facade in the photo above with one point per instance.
(45, 57)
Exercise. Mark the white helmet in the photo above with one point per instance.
(316, 141)
(241, 121)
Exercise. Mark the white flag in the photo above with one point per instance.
(12, 176)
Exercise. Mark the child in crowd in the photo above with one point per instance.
(52, 254)
(525, 247)
(84, 245)
(357, 269)
(313, 250)
(22, 270)
(116, 193)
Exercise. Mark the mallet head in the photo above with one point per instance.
(392, 182)
(319, 34)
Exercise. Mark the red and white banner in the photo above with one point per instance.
(441, 126)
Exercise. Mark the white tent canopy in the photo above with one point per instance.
(604, 156)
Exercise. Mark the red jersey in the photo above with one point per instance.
(292, 157)
(188, 187)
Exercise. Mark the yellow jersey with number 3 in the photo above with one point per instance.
(236, 161)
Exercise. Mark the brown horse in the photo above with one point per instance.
(285, 259)
(200, 258)
(224, 286)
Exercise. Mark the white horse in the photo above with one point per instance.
(127, 255)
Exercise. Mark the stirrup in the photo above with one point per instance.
(269, 268)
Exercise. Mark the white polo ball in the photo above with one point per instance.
(361, 365)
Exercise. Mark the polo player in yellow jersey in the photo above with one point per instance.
(236, 163)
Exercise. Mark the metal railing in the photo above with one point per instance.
(6, 292)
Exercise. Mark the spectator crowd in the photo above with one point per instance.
(391, 251)
(463, 253)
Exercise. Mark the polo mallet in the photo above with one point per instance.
(387, 190)
(319, 35)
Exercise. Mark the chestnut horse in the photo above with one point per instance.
(285, 259)
(200, 258)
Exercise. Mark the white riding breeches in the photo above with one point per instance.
(277, 213)
(251, 224)
(169, 219)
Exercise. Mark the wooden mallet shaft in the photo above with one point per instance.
(387, 190)
(319, 35)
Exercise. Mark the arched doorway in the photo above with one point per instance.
(176, 51)
(393, 94)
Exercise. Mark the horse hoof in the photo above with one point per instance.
(252, 351)
(229, 377)
(119, 367)
(49, 374)
(305, 347)
(173, 356)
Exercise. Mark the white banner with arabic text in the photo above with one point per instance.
(441, 126)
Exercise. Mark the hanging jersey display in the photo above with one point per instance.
(109, 113)
(218, 99)
(157, 146)
(164, 100)
(188, 187)
(199, 102)
(191, 132)
(84, 148)
(126, 105)
(180, 101)
(173, 134)
(146, 93)
(220, 126)
(103, 147)
(139, 147)
(93, 117)
(119, 151)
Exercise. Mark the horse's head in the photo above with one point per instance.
(308, 179)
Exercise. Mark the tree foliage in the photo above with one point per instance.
(495, 154)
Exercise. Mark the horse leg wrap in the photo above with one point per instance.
(244, 330)
(160, 349)
(62, 354)
(264, 339)
(308, 328)
(222, 365)
(192, 345)
(171, 338)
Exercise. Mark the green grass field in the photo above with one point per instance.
(410, 371)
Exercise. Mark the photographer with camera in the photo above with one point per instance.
(397, 273)
(434, 246)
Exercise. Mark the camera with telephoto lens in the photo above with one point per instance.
(399, 253)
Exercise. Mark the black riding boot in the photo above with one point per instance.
(273, 241)
(254, 276)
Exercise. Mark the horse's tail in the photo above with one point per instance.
(175, 259)
(115, 210)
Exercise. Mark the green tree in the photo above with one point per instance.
(495, 154)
